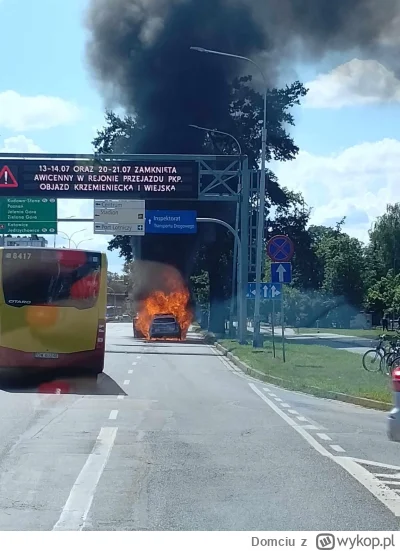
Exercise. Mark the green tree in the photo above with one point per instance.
(344, 267)
(384, 295)
(384, 247)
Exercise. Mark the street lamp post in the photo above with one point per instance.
(69, 237)
(260, 221)
(235, 279)
(83, 240)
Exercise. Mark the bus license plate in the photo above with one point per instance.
(46, 355)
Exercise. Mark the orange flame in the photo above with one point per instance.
(175, 303)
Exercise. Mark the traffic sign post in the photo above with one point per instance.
(283, 328)
(281, 272)
(280, 250)
(27, 214)
(171, 221)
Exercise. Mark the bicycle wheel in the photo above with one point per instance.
(394, 362)
(372, 360)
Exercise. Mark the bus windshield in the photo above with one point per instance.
(47, 276)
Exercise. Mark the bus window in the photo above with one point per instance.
(44, 277)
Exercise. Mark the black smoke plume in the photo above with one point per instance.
(139, 52)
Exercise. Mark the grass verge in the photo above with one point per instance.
(315, 369)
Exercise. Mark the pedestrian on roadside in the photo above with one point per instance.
(385, 323)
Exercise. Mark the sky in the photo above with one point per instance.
(347, 128)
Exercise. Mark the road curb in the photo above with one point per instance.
(315, 391)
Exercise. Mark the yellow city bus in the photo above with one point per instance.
(52, 309)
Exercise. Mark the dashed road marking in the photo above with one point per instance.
(383, 493)
(301, 418)
(120, 397)
(77, 506)
(113, 414)
(336, 448)
(134, 363)
(323, 436)
(126, 382)
(310, 427)
(293, 412)
(138, 357)
(277, 399)
(273, 395)
(130, 371)
(285, 405)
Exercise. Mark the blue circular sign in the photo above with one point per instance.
(280, 248)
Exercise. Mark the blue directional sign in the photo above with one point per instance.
(281, 272)
(280, 248)
(171, 221)
(268, 290)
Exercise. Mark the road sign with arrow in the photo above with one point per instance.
(268, 290)
(281, 272)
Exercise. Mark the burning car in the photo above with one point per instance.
(161, 300)
(165, 326)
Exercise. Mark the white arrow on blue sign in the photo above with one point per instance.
(268, 290)
(281, 272)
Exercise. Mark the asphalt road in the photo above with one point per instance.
(172, 437)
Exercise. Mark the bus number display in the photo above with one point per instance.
(19, 256)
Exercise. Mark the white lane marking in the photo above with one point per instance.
(232, 368)
(336, 448)
(277, 399)
(310, 427)
(388, 476)
(293, 412)
(126, 382)
(285, 405)
(385, 495)
(375, 463)
(273, 395)
(301, 418)
(120, 397)
(134, 363)
(323, 436)
(77, 506)
(130, 371)
(267, 390)
(113, 414)
(291, 422)
(138, 357)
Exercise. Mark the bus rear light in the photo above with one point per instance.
(396, 379)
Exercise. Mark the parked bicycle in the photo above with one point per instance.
(385, 356)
